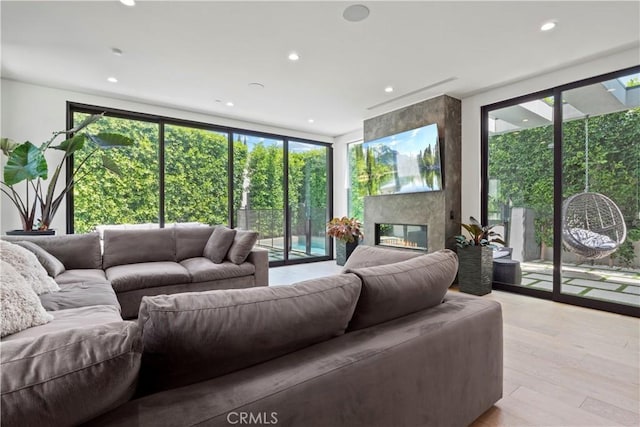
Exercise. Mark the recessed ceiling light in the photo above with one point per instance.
(356, 13)
(311, 120)
(388, 89)
(116, 51)
(112, 80)
(128, 2)
(548, 26)
(611, 89)
(229, 104)
(525, 120)
(293, 56)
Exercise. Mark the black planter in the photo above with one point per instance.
(475, 269)
(344, 250)
(50, 232)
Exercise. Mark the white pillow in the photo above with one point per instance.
(26, 263)
(21, 307)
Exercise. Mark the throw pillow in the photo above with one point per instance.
(242, 245)
(195, 336)
(27, 264)
(21, 308)
(50, 263)
(395, 290)
(219, 243)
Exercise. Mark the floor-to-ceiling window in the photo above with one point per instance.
(188, 173)
(561, 180)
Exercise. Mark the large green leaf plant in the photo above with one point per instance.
(27, 162)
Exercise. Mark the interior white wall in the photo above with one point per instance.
(340, 170)
(471, 113)
(32, 112)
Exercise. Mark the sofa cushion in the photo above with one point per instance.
(146, 275)
(394, 290)
(134, 246)
(21, 308)
(81, 275)
(219, 243)
(69, 377)
(81, 294)
(242, 244)
(28, 266)
(203, 269)
(51, 264)
(73, 250)
(371, 256)
(195, 336)
(190, 241)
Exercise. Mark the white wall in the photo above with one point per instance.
(340, 182)
(32, 112)
(471, 114)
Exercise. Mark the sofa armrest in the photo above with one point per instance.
(260, 258)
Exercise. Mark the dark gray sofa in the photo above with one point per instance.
(137, 263)
(378, 345)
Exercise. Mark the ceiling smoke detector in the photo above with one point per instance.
(356, 13)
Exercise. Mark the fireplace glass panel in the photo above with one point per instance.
(402, 236)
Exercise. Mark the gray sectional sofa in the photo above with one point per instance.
(384, 343)
(137, 263)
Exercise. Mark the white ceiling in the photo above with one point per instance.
(188, 55)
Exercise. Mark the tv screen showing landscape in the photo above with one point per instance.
(407, 162)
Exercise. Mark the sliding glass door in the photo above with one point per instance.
(561, 181)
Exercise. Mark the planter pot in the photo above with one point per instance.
(31, 232)
(344, 250)
(475, 269)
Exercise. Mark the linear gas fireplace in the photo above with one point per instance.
(408, 236)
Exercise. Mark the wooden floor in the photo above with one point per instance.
(563, 365)
(566, 366)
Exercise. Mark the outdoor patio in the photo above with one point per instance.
(616, 284)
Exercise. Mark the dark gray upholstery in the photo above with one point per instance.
(73, 250)
(371, 256)
(69, 377)
(219, 243)
(81, 275)
(190, 241)
(196, 336)
(50, 263)
(81, 294)
(437, 367)
(242, 245)
(146, 275)
(394, 290)
(203, 269)
(136, 246)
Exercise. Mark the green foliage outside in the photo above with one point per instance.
(196, 181)
(522, 162)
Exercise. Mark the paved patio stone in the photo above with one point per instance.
(526, 281)
(595, 284)
(614, 296)
(570, 289)
(547, 286)
(632, 290)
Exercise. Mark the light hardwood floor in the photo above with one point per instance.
(563, 365)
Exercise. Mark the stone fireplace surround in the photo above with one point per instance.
(439, 210)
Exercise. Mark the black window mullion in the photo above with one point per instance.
(230, 183)
(161, 166)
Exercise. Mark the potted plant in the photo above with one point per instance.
(347, 232)
(27, 162)
(475, 255)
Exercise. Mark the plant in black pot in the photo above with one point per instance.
(26, 162)
(347, 232)
(475, 255)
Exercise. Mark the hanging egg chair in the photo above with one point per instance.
(593, 226)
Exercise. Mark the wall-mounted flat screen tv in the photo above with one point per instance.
(407, 162)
